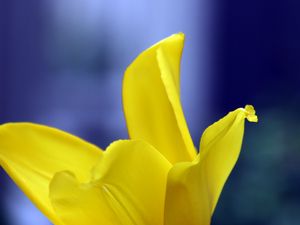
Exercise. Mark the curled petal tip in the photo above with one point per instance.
(250, 113)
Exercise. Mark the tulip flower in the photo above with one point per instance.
(157, 177)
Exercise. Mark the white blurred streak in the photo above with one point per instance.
(125, 28)
(128, 27)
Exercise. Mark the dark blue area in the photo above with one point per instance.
(258, 62)
(258, 51)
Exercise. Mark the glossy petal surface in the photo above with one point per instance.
(151, 100)
(31, 154)
(128, 188)
(196, 186)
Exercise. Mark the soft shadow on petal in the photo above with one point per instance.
(151, 100)
(187, 196)
(31, 154)
(128, 187)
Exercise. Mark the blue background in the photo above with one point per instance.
(62, 62)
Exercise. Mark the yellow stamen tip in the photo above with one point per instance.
(250, 113)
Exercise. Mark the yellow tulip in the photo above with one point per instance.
(155, 178)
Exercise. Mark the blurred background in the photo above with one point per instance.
(62, 62)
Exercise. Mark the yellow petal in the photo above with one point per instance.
(128, 188)
(31, 154)
(196, 186)
(220, 147)
(151, 100)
